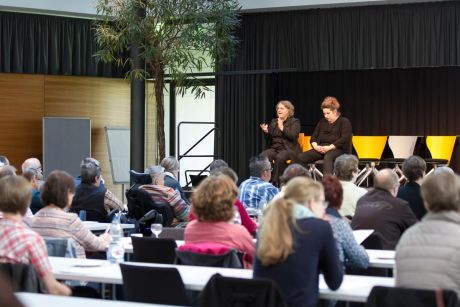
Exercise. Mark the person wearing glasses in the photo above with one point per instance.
(89, 196)
(351, 254)
(281, 135)
(257, 191)
(382, 211)
(32, 171)
(295, 244)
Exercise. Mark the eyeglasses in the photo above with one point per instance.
(269, 169)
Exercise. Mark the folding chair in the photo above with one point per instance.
(402, 147)
(153, 285)
(369, 150)
(172, 233)
(441, 148)
(154, 250)
(209, 254)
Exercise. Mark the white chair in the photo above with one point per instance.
(402, 147)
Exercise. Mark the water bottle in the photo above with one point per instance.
(116, 251)
(260, 211)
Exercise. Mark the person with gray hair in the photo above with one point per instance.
(217, 164)
(414, 169)
(346, 170)
(89, 196)
(171, 166)
(382, 211)
(427, 256)
(164, 194)
(256, 191)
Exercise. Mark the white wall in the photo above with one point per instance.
(190, 109)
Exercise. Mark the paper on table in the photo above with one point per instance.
(361, 234)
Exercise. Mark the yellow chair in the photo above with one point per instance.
(369, 150)
(441, 148)
(304, 142)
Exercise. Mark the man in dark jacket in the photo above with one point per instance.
(380, 210)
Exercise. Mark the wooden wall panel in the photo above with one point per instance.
(105, 101)
(21, 112)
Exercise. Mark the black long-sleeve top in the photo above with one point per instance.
(287, 138)
(338, 133)
(298, 276)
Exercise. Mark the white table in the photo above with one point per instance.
(381, 258)
(40, 300)
(354, 288)
(95, 226)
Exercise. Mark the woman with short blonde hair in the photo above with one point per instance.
(295, 244)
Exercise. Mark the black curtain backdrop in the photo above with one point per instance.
(393, 68)
(40, 44)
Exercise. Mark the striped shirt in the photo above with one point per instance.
(54, 222)
(21, 245)
(256, 193)
(172, 197)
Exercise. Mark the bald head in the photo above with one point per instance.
(386, 179)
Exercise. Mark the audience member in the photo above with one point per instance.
(346, 170)
(213, 205)
(382, 211)
(351, 254)
(10, 170)
(53, 221)
(77, 179)
(163, 194)
(413, 169)
(292, 171)
(33, 177)
(295, 244)
(217, 164)
(427, 256)
(245, 219)
(4, 161)
(19, 244)
(256, 191)
(171, 178)
(34, 164)
(90, 197)
(443, 169)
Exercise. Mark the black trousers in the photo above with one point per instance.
(312, 155)
(279, 157)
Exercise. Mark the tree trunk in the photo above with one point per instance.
(159, 84)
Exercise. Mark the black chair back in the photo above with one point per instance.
(154, 250)
(22, 277)
(139, 178)
(231, 259)
(172, 233)
(140, 203)
(153, 285)
(401, 297)
(230, 292)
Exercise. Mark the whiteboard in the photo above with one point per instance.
(66, 141)
(118, 144)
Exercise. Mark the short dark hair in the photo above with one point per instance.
(89, 170)
(56, 188)
(344, 166)
(333, 191)
(414, 168)
(292, 171)
(257, 165)
(15, 194)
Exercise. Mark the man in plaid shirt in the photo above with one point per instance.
(19, 244)
(256, 191)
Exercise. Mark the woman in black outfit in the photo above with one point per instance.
(331, 137)
(282, 135)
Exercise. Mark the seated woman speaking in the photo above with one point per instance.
(213, 205)
(330, 139)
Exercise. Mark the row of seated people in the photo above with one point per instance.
(281, 245)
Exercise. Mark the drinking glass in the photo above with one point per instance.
(156, 229)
